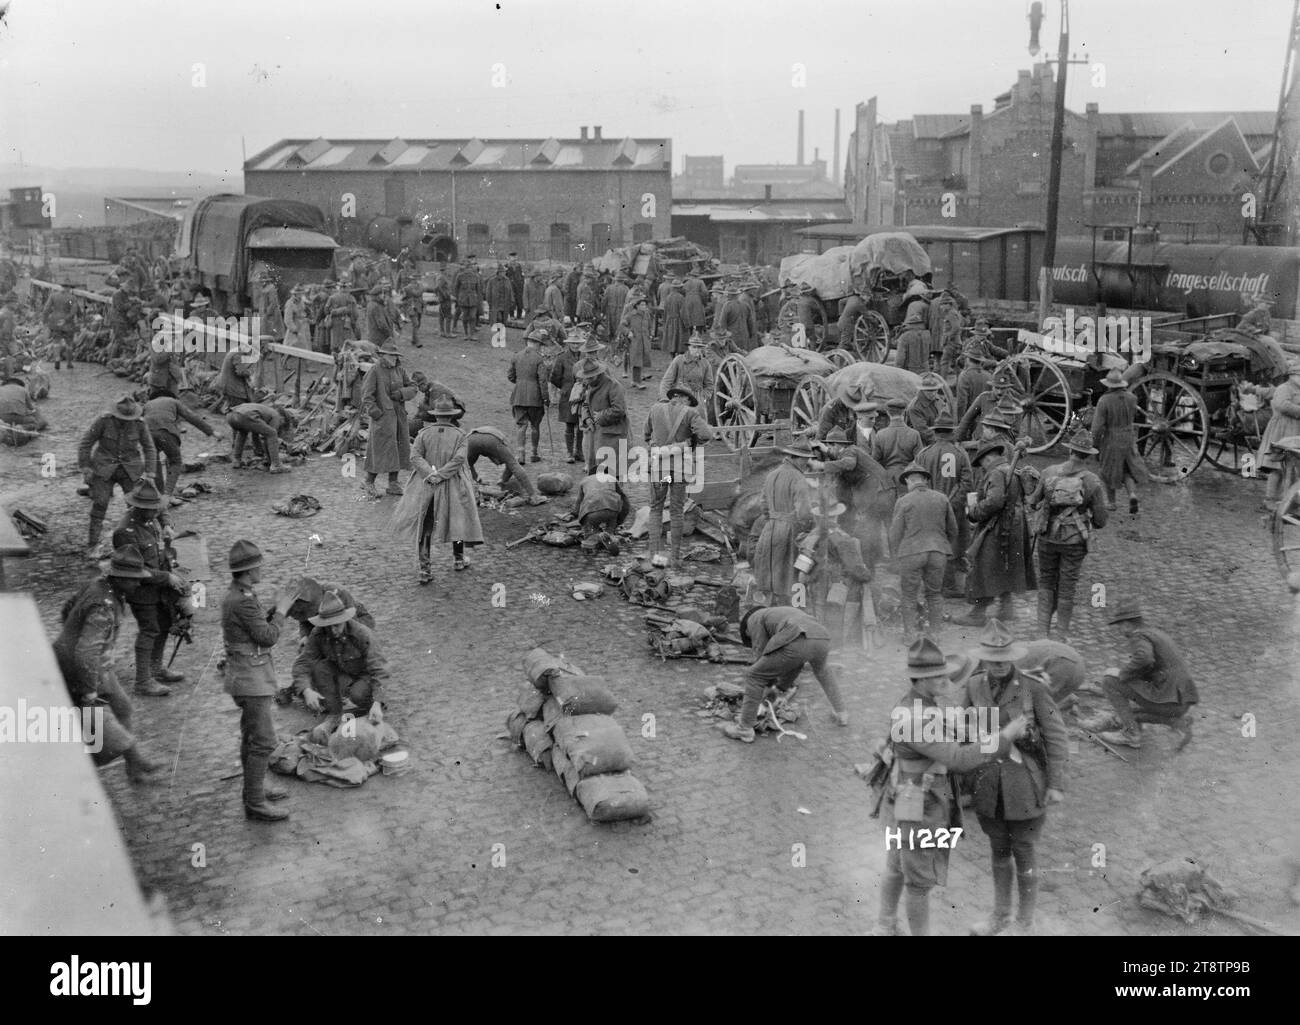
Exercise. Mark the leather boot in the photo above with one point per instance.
(1028, 884)
(1006, 610)
(265, 812)
(918, 911)
(140, 769)
(887, 920)
(1045, 612)
(977, 615)
(164, 675)
(1003, 871)
(1064, 613)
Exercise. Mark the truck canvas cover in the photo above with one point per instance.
(888, 252)
(215, 237)
(827, 272)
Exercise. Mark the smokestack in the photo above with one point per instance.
(799, 159)
(835, 168)
(595, 133)
(583, 129)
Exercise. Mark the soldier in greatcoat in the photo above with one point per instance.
(787, 503)
(385, 390)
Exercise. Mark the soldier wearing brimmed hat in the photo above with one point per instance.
(1116, 439)
(695, 302)
(913, 342)
(340, 668)
(379, 325)
(153, 602)
(311, 592)
(673, 429)
(257, 419)
(923, 410)
(1153, 685)
(922, 536)
(249, 633)
(635, 331)
(17, 407)
(1000, 556)
(786, 511)
(692, 371)
(1001, 388)
(603, 413)
(736, 316)
(439, 505)
(1012, 794)
(674, 324)
(468, 290)
(385, 391)
(950, 475)
(342, 318)
(85, 652)
(862, 484)
(297, 318)
(565, 381)
(530, 397)
(919, 791)
(1071, 506)
(116, 450)
(783, 640)
(945, 323)
(163, 416)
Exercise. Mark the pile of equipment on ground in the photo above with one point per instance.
(565, 723)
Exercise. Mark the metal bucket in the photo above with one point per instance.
(804, 563)
(395, 763)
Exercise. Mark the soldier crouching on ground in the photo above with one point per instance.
(918, 794)
(250, 632)
(340, 668)
(310, 595)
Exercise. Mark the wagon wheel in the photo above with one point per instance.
(735, 400)
(810, 398)
(840, 358)
(1286, 531)
(1045, 394)
(870, 337)
(1172, 426)
(1234, 439)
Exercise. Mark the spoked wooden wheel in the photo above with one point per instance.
(810, 398)
(1286, 531)
(871, 337)
(735, 401)
(1172, 425)
(840, 357)
(1044, 392)
(1233, 438)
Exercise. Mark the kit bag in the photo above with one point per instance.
(612, 797)
(594, 744)
(582, 695)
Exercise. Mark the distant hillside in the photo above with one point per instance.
(79, 191)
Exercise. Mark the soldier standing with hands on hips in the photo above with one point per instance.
(250, 632)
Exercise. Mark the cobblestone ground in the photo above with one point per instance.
(414, 853)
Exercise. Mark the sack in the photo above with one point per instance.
(551, 713)
(559, 539)
(537, 741)
(554, 483)
(612, 797)
(515, 723)
(595, 744)
(360, 738)
(530, 701)
(559, 761)
(540, 665)
(583, 695)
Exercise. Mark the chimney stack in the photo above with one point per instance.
(583, 130)
(799, 159)
(767, 193)
(835, 168)
(595, 133)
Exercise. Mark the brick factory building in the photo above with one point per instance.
(560, 199)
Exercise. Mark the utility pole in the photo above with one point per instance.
(1058, 132)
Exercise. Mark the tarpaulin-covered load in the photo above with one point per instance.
(828, 272)
(780, 361)
(887, 252)
(676, 255)
(866, 386)
(1267, 359)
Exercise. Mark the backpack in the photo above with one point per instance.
(1066, 491)
(1064, 507)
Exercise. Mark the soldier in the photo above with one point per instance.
(60, 316)
(918, 794)
(500, 296)
(259, 420)
(945, 330)
(342, 319)
(694, 303)
(1154, 680)
(635, 328)
(672, 317)
(1072, 506)
(1112, 429)
(601, 505)
(913, 342)
(249, 633)
(515, 272)
(738, 318)
(922, 537)
(379, 326)
(163, 416)
(806, 308)
(490, 443)
(980, 343)
(125, 323)
(672, 430)
(154, 600)
(998, 391)
(530, 398)
(1012, 794)
(604, 414)
(786, 511)
(85, 653)
(439, 505)
(923, 410)
(864, 487)
(586, 306)
(430, 391)
(468, 289)
(691, 371)
(1061, 666)
(385, 391)
(8, 326)
(553, 297)
(897, 445)
(950, 474)
(563, 380)
(340, 668)
(972, 382)
(534, 291)
(413, 307)
(311, 593)
(1258, 320)
(235, 379)
(783, 640)
(297, 322)
(116, 450)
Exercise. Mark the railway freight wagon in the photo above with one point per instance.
(1193, 279)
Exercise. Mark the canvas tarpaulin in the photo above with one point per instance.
(828, 272)
(222, 224)
(888, 252)
(780, 361)
(864, 386)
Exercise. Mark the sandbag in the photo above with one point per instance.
(530, 701)
(554, 483)
(559, 761)
(515, 723)
(583, 695)
(537, 740)
(572, 776)
(551, 713)
(612, 797)
(539, 664)
(595, 744)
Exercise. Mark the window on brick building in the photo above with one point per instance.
(559, 241)
(602, 238)
(1219, 164)
(643, 231)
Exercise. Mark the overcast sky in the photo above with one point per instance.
(110, 82)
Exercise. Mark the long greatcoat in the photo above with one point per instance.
(449, 499)
(1116, 441)
(786, 506)
(341, 317)
(676, 328)
(999, 556)
(612, 306)
(563, 379)
(384, 394)
(606, 403)
(1284, 421)
(637, 324)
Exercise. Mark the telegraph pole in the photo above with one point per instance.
(1058, 132)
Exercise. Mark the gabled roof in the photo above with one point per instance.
(1157, 124)
(387, 155)
(1228, 124)
(390, 152)
(308, 152)
(1174, 142)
